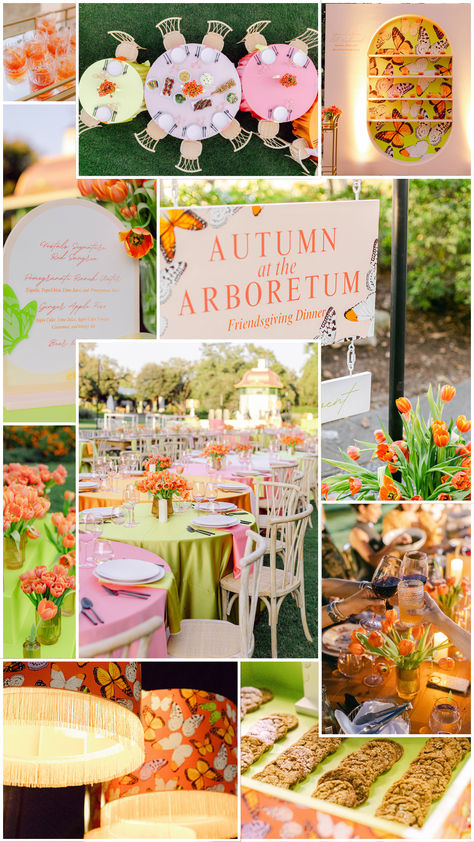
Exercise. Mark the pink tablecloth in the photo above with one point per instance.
(121, 613)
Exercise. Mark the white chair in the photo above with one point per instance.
(274, 499)
(144, 633)
(309, 466)
(276, 583)
(220, 638)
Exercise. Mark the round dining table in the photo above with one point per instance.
(192, 91)
(198, 561)
(279, 83)
(112, 90)
(121, 613)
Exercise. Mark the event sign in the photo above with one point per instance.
(67, 276)
(283, 271)
(345, 396)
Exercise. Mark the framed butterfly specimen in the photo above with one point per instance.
(410, 88)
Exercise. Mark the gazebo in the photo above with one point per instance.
(259, 393)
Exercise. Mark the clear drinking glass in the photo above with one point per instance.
(14, 58)
(130, 499)
(445, 717)
(102, 550)
(212, 494)
(415, 566)
(348, 664)
(411, 601)
(118, 516)
(199, 493)
(90, 528)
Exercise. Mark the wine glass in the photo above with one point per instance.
(129, 501)
(199, 492)
(102, 550)
(378, 671)
(348, 664)
(212, 494)
(386, 577)
(90, 528)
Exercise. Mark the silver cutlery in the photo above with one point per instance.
(126, 593)
(201, 531)
(87, 605)
(371, 718)
(91, 619)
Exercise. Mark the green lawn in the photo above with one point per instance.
(113, 150)
(29, 457)
(291, 640)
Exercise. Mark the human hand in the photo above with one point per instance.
(363, 600)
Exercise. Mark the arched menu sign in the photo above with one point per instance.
(67, 276)
(410, 88)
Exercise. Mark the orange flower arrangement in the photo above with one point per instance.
(406, 652)
(46, 589)
(22, 505)
(161, 463)
(41, 477)
(292, 441)
(243, 447)
(432, 461)
(164, 484)
(214, 449)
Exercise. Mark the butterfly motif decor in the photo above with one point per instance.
(187, 220)
(362, 311)
(17, 321)
(409, 59)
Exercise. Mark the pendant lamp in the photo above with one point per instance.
(70, 723)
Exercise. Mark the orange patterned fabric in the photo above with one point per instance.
(190, 743)
(266, 817)
(116, 681)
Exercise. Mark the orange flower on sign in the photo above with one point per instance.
(137, 241)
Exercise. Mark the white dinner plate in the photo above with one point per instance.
(249, 473)
(127, 569)
(219, 507)
(236, 486)
(215, 521)
(337, 638)
(100, 511)
(87, 486)
(155, 578)
(85, 476)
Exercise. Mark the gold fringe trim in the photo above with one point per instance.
(80, 711)
(212, 815)
(141, 830)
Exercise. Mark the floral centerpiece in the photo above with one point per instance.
(432, 461)
(133, 202)
(47, 590)
(447, 593)
(163, 486)
(161, 463)
(22, 505)
(244, 447)
(292, 441)
(215, 453)
(330, 115)
(407, 650)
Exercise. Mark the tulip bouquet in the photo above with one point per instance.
(164, 484)
(292, 441)
(47, 589)
(161, 463)
(447, 593)
(40, 477)
(407, 651)
(134, 203)
(243, 447)
(22, 505)
(431, 462)
(216, 453)
(329, 114)
(62, 536)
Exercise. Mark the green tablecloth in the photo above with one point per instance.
(198, 562)
(18, 611)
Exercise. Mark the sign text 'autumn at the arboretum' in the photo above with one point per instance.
(302, 270)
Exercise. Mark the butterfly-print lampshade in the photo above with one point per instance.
(70, 723)
(190, 774)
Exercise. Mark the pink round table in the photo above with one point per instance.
(262, 93)
(192, 86)
(121, 613)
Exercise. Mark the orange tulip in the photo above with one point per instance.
(356, 648)
(440, 439)
(444, 496)
(98, 186)
(32, 532)
(388, 490)
(463, 424)
(324, 490)
(406, 647)
(353, 452)
(379, 436)
(47, 609)
(354, 485)
(69, 540)
(85, 187)
(375, 639)
(447, 393)
(354, 634)
(137, 241)
(403, 405)
(443, 589)
(69, 496)
(116, 190)
(416, 497)
(417, 632)
(461, 481)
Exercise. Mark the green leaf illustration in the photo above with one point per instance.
(214, 717)
(17, 322)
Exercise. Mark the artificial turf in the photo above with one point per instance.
(291, 640)
(113, 150)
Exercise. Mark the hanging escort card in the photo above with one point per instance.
(282, 271)
(345, 396)
(67, 276)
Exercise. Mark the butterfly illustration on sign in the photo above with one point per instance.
(362, 311)
(187, 220)
(17, 321)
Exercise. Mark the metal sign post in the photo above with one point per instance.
(398, 292)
